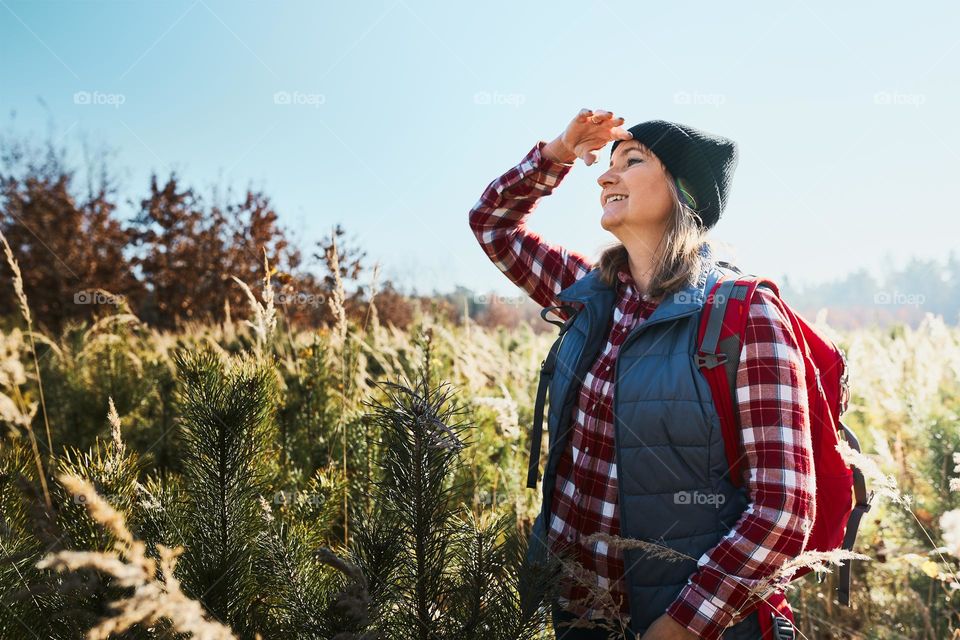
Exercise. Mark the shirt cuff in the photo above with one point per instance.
(535, 177)
(709, 603)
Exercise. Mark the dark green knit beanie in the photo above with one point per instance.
(702, 163)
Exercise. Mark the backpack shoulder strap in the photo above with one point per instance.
(861, 507)
(547, 366)
(723, 324)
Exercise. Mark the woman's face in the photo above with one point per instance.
(636, 174)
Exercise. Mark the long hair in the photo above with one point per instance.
(677, 262)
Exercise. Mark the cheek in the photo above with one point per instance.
(649, 193)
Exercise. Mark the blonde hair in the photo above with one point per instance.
(677, 264)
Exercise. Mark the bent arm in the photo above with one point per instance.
(775, 431)
(498, 220)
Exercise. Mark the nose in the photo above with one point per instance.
(610, 176)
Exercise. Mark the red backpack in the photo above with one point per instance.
(841, 494)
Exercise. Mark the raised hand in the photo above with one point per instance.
(587, 133)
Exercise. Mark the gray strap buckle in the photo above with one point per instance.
(782, 629)
(710, 360)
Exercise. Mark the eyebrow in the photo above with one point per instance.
(633, 148)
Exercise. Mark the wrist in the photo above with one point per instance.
(557, 151)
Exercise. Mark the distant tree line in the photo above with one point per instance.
(900, 295)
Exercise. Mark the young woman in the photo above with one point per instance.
(635, 443)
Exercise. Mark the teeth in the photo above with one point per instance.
(614, 198)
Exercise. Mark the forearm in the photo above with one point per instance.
(498, 222)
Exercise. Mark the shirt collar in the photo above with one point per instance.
(626, 283)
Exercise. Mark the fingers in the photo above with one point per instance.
(609, 128)
(600, 116)
(595, 117)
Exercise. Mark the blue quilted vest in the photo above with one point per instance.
(671, 463)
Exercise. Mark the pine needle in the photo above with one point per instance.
(157, 594)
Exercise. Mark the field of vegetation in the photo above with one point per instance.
(246, 478)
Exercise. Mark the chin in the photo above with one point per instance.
(607, 222)
(604, 219)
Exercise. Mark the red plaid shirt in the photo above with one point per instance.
(773, 416)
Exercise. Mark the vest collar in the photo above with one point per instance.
(686, 301)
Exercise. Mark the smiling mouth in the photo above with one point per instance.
(614, 198)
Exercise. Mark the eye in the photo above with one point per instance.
(632, 160)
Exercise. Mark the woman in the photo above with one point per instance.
(635, 443)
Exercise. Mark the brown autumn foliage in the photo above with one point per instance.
(171, 259)
(187, 249)
(66, 244)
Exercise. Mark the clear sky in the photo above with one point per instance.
(391, 117)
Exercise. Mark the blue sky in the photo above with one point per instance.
(391, 117)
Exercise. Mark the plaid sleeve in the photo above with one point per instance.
(775, 431)
(498, 220)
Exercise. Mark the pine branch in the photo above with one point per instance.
(227, 431)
